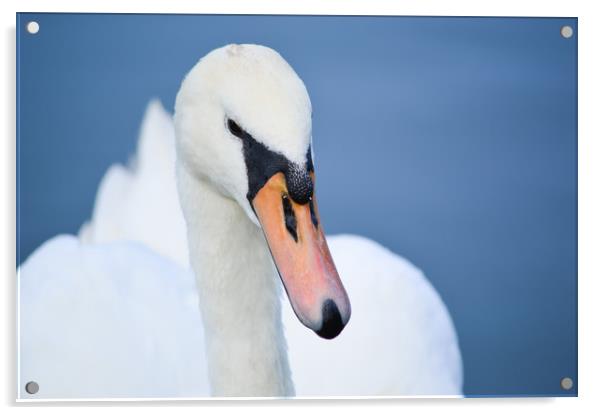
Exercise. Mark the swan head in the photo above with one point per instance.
(243, 124)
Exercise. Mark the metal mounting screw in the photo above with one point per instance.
(32, 388)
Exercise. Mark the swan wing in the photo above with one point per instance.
(140, 202)
(108, 320)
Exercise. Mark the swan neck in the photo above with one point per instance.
(239, 294)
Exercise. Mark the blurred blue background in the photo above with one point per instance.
(452, 141)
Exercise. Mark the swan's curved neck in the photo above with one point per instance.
(239, 294)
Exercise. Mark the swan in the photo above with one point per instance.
(113, 312)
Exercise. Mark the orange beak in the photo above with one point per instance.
(296, 240)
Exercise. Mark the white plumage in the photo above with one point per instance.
(108, 320)
(114, 312)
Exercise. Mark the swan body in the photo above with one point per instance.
(126, 283)
(122, 321)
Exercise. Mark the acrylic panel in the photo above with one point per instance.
(184, 256)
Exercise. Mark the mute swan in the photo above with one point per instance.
(113, 313)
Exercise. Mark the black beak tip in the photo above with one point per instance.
(332, 323)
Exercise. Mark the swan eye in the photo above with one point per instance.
(235, 128)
